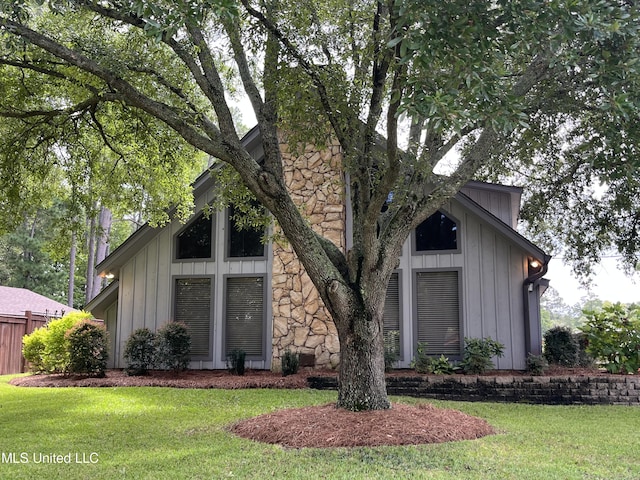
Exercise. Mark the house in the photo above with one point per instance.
(465, 272)
(21, 312)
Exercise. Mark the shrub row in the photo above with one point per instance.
(167, 349)
(73, 344)
(610, 337)
(476, 358)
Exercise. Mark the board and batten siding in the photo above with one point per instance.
(492, 271)
(147, 283)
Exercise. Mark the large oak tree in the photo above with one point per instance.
(547, 89)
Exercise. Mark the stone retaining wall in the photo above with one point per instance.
(565, 390)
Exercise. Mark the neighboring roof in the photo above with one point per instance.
(17, 301)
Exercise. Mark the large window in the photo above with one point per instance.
(245, 242)
(438, 232)
(391, 325)
(196, 239)
(438, 312)
(245, 315)
(193, 308)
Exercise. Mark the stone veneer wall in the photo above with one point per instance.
(561, 390)
(301, 323)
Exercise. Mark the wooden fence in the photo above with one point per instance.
(12, 329)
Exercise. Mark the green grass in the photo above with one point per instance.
(161, 433)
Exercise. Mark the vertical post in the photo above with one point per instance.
(28, 328)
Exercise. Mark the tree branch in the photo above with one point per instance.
(127, 93)
(336, 119)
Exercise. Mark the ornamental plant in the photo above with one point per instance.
(235, 361)
(47, 348)
(561, 347)
(613, 336)
(478, 353)
(140, 352)
(173, 346)
(87, 346)
(290, 363)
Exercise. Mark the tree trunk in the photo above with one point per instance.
(102, 233)
(72, 269)
(91, 241)
(361, 381)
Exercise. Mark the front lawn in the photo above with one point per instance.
(162, 433)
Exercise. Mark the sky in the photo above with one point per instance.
(609, 283)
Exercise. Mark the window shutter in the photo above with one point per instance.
(245, 315)
(392, 310)
(193, 308)
(438, 312)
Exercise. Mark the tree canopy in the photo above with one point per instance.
(545, 90)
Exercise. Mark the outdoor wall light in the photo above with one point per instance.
(534, 263)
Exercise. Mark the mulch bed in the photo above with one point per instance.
(187, 379)
(327, 426)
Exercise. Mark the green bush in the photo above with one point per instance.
(235, 361)
(140, 352)
(442, 366)
(477, 355)
(173, 346)
(48, 348)
(87, 343)
(536, 364)
(290, 363)
(421, 362)
(33, 346)
(391, 350)
(561, 347)
(613, 336)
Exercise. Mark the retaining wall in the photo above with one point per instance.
(561, 390)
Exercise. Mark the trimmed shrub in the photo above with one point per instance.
(33, 346)
(478, 353)
(140, 352)
(48, 351)
(561, 347)
(613, 336)
(290, 363)
(87, 343)
(173, 345)
(235, 361)
(536, 364)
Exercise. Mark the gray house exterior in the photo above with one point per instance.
(465, 272)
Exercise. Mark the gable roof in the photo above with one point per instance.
(513, 235)
(17, 301)
(113, 262)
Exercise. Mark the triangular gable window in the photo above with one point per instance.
(196, 239)
(438, 232)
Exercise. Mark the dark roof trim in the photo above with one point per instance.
(105, 298)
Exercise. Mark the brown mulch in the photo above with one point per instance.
(322, 426)
(187, 379)
(328, 426)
